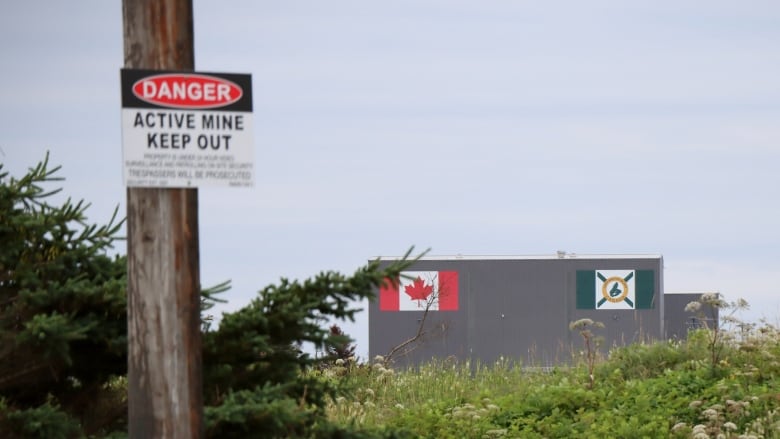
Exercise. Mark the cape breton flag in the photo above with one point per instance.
(415, 290)
(615, 289)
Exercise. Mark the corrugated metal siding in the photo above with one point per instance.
(518, 308)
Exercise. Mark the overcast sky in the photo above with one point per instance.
(494, 127)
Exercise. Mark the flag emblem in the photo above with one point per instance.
(420, 290)
(615, 289)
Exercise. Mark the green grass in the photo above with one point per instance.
(665, 389)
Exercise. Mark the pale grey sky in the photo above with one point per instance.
(492, 127)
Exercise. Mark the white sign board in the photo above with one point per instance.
(186, 129)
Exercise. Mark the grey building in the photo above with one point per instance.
(483, 308)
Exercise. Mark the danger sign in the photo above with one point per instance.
(186, 129)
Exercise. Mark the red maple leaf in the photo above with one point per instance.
(418, 290)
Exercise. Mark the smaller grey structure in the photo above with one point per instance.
(520, 307)
(678, 321)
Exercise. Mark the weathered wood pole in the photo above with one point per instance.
(165, 397)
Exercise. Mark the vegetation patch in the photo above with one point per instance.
(63, 358)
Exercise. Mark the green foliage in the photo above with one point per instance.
(46, 421)
(266, 411)
(63, 358)
(644, 391)
(711, 307)
(63, 339)
(338, 345)
(253, 364)
(639, 361)
(62, 312)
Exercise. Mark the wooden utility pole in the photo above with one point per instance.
(163, 299)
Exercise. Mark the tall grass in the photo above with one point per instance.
(665, 389)
(445, 398)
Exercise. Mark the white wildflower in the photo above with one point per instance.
(710, 414)
(581, 323)
(708, 297)
(693, 306)
(679, 426)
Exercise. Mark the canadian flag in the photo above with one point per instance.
(418, 290)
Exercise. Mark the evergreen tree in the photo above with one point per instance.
(63, 332)
(62, 314)
(339, 346)
(255, 385)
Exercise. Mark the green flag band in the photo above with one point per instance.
(615, 289)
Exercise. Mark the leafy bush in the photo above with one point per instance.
(644, 360)
(665, 389)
